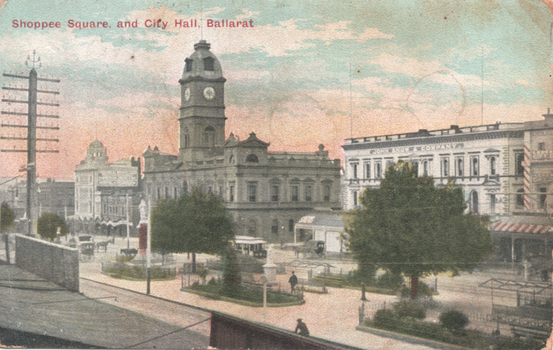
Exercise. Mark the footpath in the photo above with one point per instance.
(331, 316)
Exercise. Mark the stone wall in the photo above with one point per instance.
(53, 262)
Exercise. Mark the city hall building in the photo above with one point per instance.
(265, 192)
(505, 170)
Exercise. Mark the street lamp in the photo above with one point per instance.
(264, 281)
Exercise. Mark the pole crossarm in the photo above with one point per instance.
(24, 138)
(51, 80)
(15, 101)
(15, 76)
(25, 126)
(38, 150)
(38, 115)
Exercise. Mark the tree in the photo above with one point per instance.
(48, 225)
(194, 223)
(412, 227)
(231, 274)
(6, 217)
(6, 222)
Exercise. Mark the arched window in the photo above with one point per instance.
(274, 227)
(252, 158)
(291, 225)
(209, 63)
(186, 138)
(378, 170)
(424, 168)
(209, 136)
(473, 202)
(188, 64)
(474, 166)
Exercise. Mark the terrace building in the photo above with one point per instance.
(505, 170)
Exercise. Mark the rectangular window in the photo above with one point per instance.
(354, 193)
(158, 192)
(493, 169)
(252, 191)
(459, 167)
(445, 167)
(543, 197)
(231, 193)
(308, 193)
(367, 170)
(175, 192)
(274, 193)
(354, 171)
(519, 164)
(295, 189)
(326, 193)
(492, 203)
(167, 192)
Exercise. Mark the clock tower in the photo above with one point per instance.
(202, 111)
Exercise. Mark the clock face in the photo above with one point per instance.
(209, 93)
(187, 94)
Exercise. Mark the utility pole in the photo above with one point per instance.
(32, 102)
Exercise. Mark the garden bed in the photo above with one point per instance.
(137, 272)
(247, 297)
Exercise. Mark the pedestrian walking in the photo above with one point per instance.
(302, 327)
(293, 281)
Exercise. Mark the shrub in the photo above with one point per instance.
(518, 343)
(384, 318)
(424, 290)
(454, 320)
(390, 280)
(212, 281)
(407, 308)
(124, 258)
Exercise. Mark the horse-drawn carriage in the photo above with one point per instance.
(311, 249)
(86, 246)
(86, 251)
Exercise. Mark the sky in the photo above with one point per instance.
(307, 72)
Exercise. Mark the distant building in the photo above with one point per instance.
(105, 192)
(266, 192)
(52, 196)
(56, 196)
(505, 170)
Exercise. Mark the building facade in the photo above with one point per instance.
(106, 193)
(52, 196)
(265, 192)
(505, 170)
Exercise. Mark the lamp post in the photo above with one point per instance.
(128, 229)
(148, 247)
(264, 281)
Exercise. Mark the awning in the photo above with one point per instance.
(509, 226)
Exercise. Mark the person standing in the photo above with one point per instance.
(293, 281)
(302, 327)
